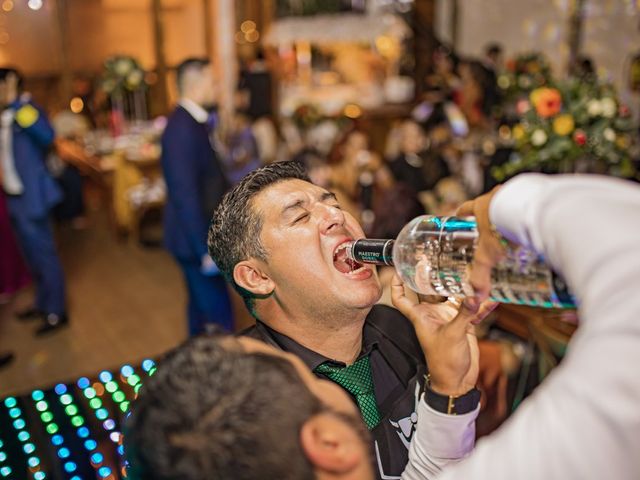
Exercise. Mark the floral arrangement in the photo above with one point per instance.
(525, 73)
(122, 73)
(307, 115)
(574, 126)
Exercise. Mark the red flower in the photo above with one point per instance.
(580, 138)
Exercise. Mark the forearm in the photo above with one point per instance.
(440, 440)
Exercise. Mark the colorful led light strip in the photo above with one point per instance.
(5, 470)
(33, 461)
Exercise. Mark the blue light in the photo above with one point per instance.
(29, 448)
(120, 449)
(37, 395)
(5, 471)
(19, 424)
(22, 436)
(57, 440)
(61, 389)
(97, 458)
(105, 376)
(102, 413)
(70, 467)
(109, 424)
(104, 472)
(10, 402)
(3, 457)
(33, 462)
(90, 445)
(39, 475)
(83, 432)
(148, 364)
(76, 477)
(126, 371)
(64, 452)
(15, 412)
(83, 382)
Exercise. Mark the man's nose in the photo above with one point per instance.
(330, 217)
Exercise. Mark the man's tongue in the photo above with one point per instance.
(343, 263)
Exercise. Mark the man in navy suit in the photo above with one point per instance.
(195, 185)
(25, 136)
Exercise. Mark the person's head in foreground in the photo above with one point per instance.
(279, 239)
(225, 408)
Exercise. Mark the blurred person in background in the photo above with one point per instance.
(195, 185)
(31, 193)
(469, 95)
(491, 67)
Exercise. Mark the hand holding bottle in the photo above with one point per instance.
(447, 337)
(489, 250)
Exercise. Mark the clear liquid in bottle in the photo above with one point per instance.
(433, 256)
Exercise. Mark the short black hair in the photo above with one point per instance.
(234, 234)
(493, 49)
(214, 411)
(192, 63)
(5, 72)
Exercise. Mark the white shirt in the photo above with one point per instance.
(11, 182)
(198, 113)
(583, 422)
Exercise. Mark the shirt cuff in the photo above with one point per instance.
(446, 436)
(511, 209)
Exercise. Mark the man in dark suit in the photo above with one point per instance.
(195, 185)
(31, 194)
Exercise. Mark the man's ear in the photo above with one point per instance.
(332, 446)
(249, 275)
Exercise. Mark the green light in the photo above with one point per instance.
(41, 406)
(133, 380)
(33, 462)
(46, 417)
(124, 406)
(137, 388)
(52, 428)
(152, 371)
(3, 457)
(95, 403)
(2, 444)
(37, 395)
(77, 421)
(22, 436)
(71, 410)
(10, 402)
(66, 399)
(118, 397)
(111, 386)
(15, 413)
(90, 392)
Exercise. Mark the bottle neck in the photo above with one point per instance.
(372, 250)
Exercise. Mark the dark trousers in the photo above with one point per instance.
(35, 237)
(208, 299)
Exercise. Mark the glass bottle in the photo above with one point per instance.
(433, 255)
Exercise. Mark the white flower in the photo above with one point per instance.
(594, 107)
(123, 66)
(134, 79)
(608, 106)
(524, 81)
(538, 138)
(609, 135)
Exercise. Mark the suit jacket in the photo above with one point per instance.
(195, 185)
(31, 142)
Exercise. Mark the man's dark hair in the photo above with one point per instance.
(5, 72)
(234, 234)
(190, 64)
(493, 49)
(213, 411)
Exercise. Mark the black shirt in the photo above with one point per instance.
(398, 369)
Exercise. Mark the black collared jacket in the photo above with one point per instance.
(399, 371)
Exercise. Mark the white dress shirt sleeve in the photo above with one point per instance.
(583, 422)
(439, 440)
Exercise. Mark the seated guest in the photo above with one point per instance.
(278, 238)
(238, 409)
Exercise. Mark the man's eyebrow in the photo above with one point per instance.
(328, 196)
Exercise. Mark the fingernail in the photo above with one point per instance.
(471, 303)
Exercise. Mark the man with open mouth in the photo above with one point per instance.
(281, 241)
